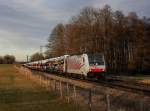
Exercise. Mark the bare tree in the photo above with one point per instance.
(8, 59)
(1, 60)
(37, 56)
(56, 40)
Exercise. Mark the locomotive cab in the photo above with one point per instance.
(97, 67)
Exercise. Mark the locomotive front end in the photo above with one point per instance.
(97, 67)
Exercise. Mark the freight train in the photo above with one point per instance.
(83, 65)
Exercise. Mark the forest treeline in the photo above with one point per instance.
(7, 59)
(124, 39)
(36, 57)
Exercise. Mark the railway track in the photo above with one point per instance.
(116, 84)
(127, 87)
(121, 85)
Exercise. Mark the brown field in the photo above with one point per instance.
(19, 94)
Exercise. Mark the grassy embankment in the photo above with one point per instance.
(19, 94)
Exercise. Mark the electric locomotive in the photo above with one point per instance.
(88, 65)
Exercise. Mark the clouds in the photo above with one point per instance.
(16, 44)
(22, 29)
(139, 6)
(26, 24)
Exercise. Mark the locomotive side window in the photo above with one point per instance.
(83, 60)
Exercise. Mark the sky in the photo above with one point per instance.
(25, 25)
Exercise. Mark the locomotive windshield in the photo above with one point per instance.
(96, 59)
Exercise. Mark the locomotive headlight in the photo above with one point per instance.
(90, 69)
(103, 70)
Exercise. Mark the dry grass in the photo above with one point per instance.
(145, 81)
(19, 94)
(142, 79)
